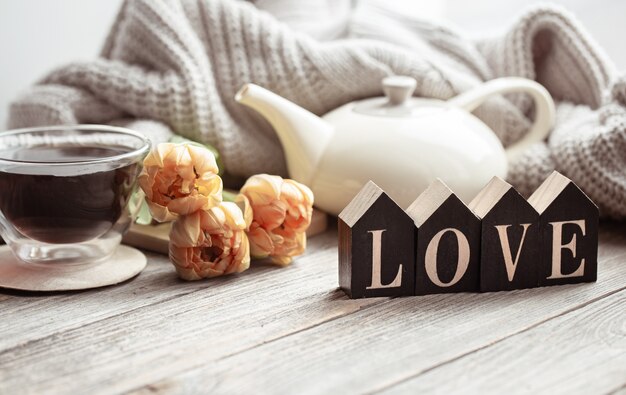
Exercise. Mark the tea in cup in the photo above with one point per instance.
(66, 192)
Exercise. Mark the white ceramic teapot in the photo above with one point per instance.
(400, 142)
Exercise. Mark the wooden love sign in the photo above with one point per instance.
(501, 241)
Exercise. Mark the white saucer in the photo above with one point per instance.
(125, 263)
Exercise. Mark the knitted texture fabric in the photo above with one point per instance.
(174, 66)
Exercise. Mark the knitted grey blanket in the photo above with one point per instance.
(175, 65)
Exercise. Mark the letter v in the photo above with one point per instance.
(511, 265)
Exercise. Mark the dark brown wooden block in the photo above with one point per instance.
(568, 222)
(448, 242)
(376, 246)
(510, 252)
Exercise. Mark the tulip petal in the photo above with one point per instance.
(203, 159)
(282, 211)
(260, 243)
(244, 205)
(262, 189)
(210, 243)
(179, 179)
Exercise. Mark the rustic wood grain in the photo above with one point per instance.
(375, 348)
(223, 317)
(588, 356)
(268, 330)
(35, 317)
(618, 391)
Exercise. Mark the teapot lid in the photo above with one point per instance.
(397, 101)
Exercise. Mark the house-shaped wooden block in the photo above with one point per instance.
(448, 242)
(510, 250)
(376, 246)
(568, 222)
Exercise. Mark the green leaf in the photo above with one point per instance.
(144, 217)
(228, 196)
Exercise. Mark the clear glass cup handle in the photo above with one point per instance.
(544, 105)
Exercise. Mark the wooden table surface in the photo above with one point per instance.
(291, 330)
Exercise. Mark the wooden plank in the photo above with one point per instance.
(587, 357)
(38, 315)
(204, 332)
(385, 344)
(154, 238)
(224, 317)
(35, 316)
(618, 391)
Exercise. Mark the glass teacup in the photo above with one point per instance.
(66, 192)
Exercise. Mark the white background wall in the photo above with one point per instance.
(37, 35)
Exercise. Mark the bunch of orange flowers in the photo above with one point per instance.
(211, 237)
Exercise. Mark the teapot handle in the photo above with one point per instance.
(544, 107)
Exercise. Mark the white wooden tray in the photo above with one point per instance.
(156, 237)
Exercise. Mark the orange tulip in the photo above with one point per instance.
(210, 243)
(281, 214)
(179, 179)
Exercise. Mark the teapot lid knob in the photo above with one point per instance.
(398, 88)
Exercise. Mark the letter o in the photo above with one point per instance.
(462, 260)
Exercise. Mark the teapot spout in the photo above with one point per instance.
(303, 135)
